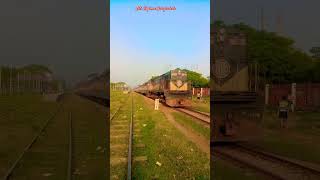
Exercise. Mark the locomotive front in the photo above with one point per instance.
(178, 90)
(234, 86)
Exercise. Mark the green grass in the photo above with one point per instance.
(49, 154)
(89, 131)
(299, 141)
(119, 171)
(202, 105)
(308, 123)
(21, 118)
(291, 147)
(116, 99)
(179, 158)
(189, 122)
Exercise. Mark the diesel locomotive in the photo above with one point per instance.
(171, 88)
(234, 98)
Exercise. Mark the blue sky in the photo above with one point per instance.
(150, 43)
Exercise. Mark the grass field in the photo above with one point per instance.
(119, 135)
(226, 171)
(202, 105)
(21, 117)
(191, 123)
(299, 141)
(89, 138)
(116, 99)
(179, 158)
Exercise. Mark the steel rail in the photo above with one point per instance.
(129, 173)
(188, 109)
(263, 156)
(28, 147)
(69, 173)
(217, 152)
(183, 110)
(278, 158)
(115, 113)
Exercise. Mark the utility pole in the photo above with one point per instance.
(279, 23)
(0, 80)
(18, 85)
(10, 81)
(24, 81)
(258, 19)
(30, 82)
(262, 19)
(39, 85)
(256, 77)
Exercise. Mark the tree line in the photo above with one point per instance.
(279, 61)
(30, 78)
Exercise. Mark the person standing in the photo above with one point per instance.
(284, 106)
(198, 95)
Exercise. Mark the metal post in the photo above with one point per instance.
(25, 81)
(250, 76)
(0, 80)
(267, 88)
(30, 82)
(256, 77)
(10, 81)
(69, 173)
(18, 86)
(293, 95)
(34, 85)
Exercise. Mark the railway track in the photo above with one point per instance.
(203, 117)
(70, 155)
(88, 149)
(20, 168)
(122, 141)
(129, 174)
(116, 112)
(70, 145)
(271, 165)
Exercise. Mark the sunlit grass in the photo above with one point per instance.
(202, 105)
(188, 122)
(179, 157)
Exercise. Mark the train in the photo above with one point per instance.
(172, 88)
(235, 103)
(95, 88)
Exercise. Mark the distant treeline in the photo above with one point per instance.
(196, 79)
(30, 78)
(278, 60)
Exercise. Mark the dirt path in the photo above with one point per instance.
(201, 142)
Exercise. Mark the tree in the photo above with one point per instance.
(196, 79)
(278, 60)
(36, 68)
